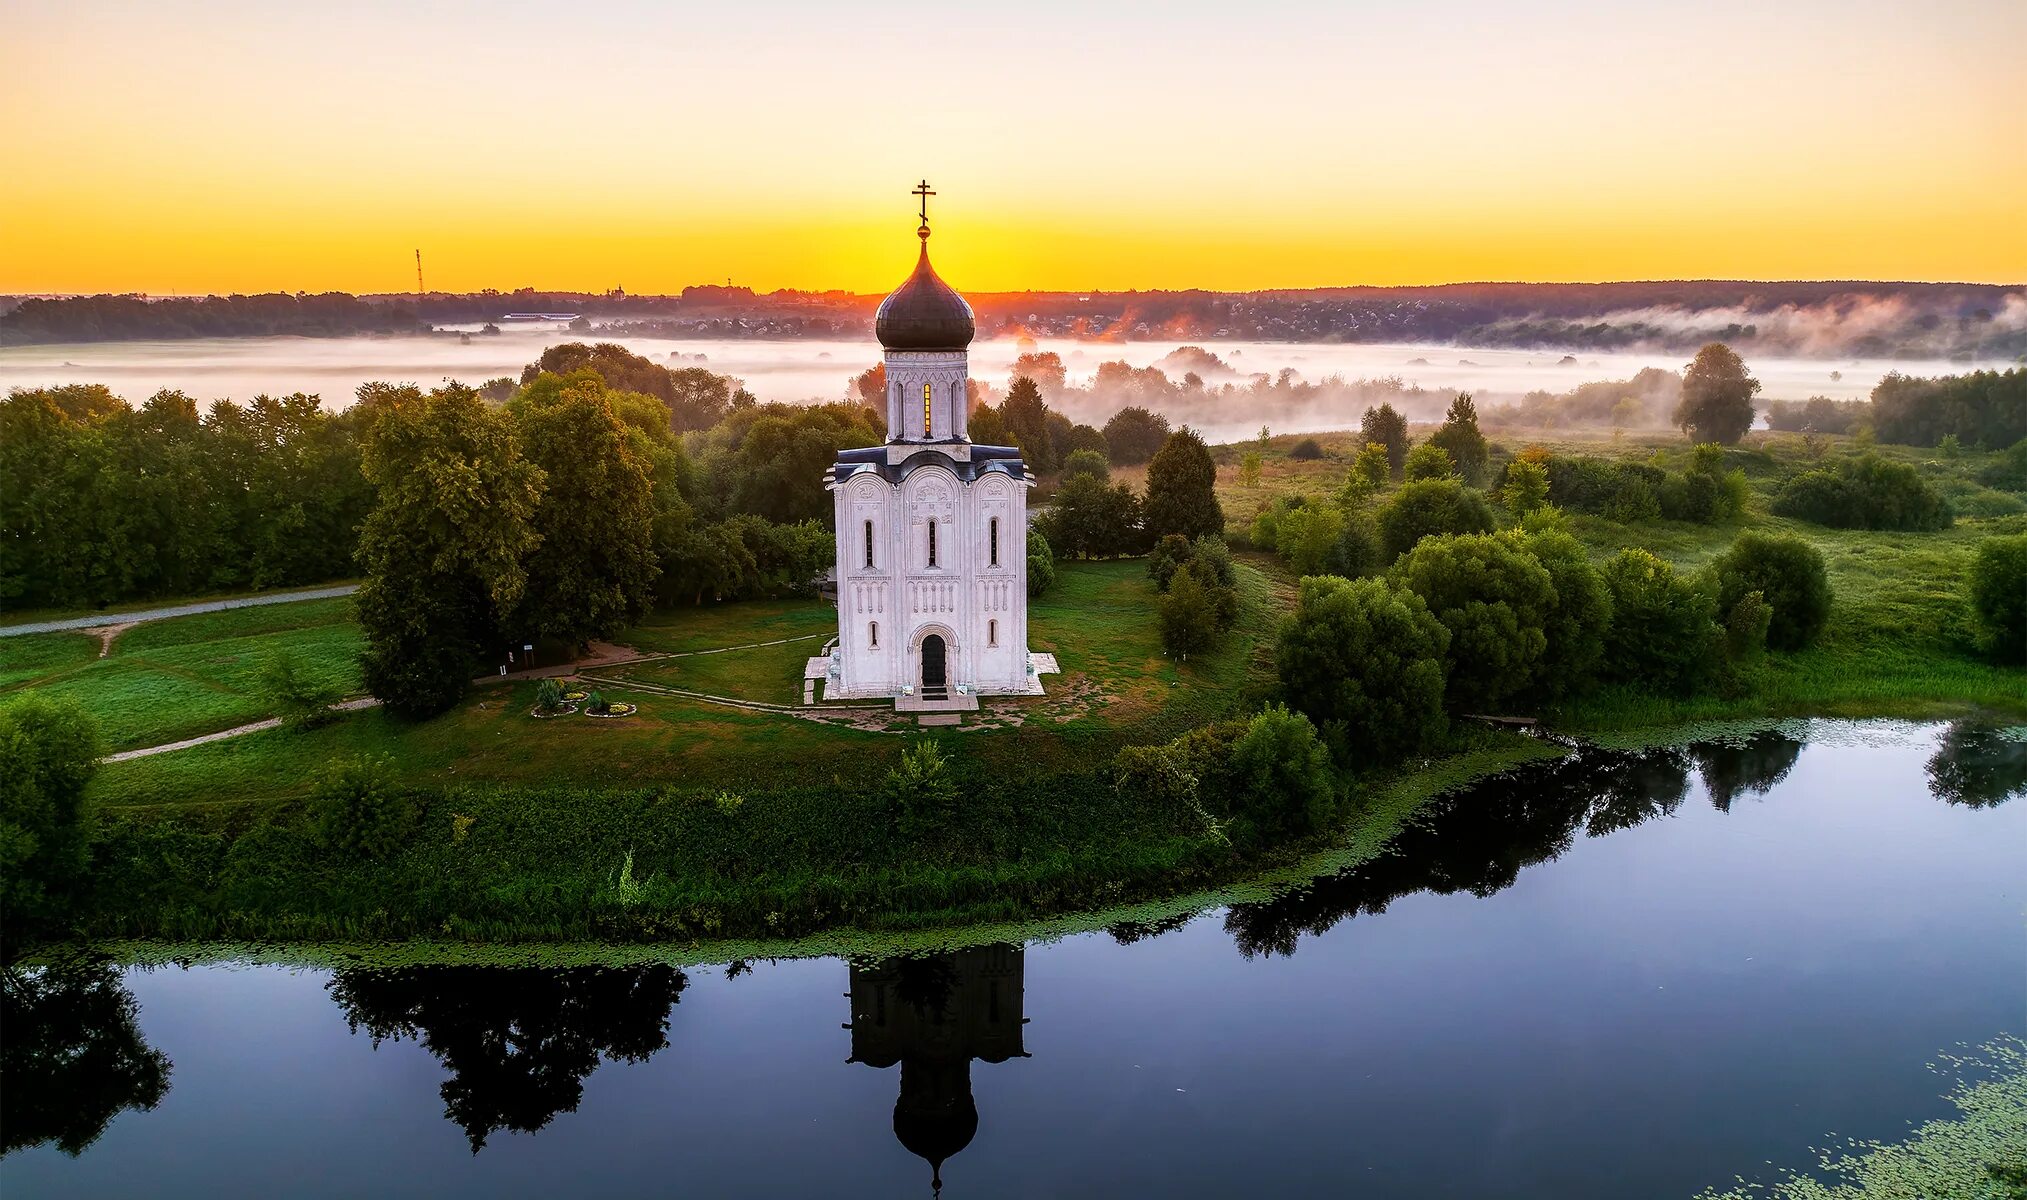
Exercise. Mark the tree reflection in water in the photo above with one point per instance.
(1979, 764)
(518, 1041)
(71, 1056)
(1477, 839)
(933, 1015)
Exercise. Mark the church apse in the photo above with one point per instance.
(933, 1015)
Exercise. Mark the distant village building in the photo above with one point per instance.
(931, 527)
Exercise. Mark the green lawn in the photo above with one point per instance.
(176, 678)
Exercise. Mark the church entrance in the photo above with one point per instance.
(934, 684)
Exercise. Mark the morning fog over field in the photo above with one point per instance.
(1243, 383)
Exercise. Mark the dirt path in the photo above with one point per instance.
(235, 731)
(176, 610)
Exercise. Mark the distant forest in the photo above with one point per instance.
(1824, 319)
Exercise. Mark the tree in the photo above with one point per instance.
(359, 810)
(919, 790)
(1041, 563)
(1310, 539)
(593, 569)
(1430, 461)
(1279, 775)
(1997, 591)
(1460, 436)
(1364, 659)
(1429, 507)
(48, 753)
(1087, 519)
(1182, 488)
(1383, 426)
(443, 548)
(1790, 577)
(1026, 418)
(1134, 434)
(1087, 439)
(1496, 600)
(1526, 487)
(1087, 462)
(1717, 396)
(299, 699)
(1249, 469)
(1664, 633)
(1581, 616)
(1187, 616)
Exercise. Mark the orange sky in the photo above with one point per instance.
(186, 147)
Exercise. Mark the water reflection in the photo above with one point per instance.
(518, 1041)
(934, 1015)
(1979, 764)
(71, 1057)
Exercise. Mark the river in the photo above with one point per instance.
(1627, 974)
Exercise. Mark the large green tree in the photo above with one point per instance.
(1581, 616)
(1790, 576)
(1460, 436)
(594, 567)
(1717, 396)
(444, 548)
(1182, 489)
(1025, 417)
(48, 751)
(1364, 659)
(1664, 635)
(1496, 599)
(1383, 426)
(1135, 434)
(1428, 508)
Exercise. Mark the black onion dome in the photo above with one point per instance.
(924, 313)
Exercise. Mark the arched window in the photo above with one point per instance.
(925, 409)
(992, 633)
(932, 543)
(869, 544)
(994, 527)
(873, 634)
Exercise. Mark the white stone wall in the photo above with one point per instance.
(944, 373)
(976, 601)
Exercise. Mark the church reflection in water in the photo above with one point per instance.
(933, 1015)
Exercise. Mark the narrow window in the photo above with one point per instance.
(869, 544)
(925, 410)
(992, 633)
(932, 543)
(873, 632)
(994, 528)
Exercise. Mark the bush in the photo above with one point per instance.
(1745, 628)
(1867, 492)
(1279, 775)
(548, 695)
(2010, 472)
(1041, 563)
(918, 790)
(1789, 575)
(1306, 450)
(1430, 461)
(1495, 599)
(1664, 633)
(48, 752)
(1998, 597)
(1309, 539)
(1582, 614)
(1087, 519)
(1087, 462)
(1190, 614)
(1167, 557)
(1364, 660)
(1526, 487)
(1460, 437)
(301, 702)
(359, 810)
(1431, 507)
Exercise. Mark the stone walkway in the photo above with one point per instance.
(235, 731)
(177, 610)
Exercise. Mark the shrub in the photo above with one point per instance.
(1090, 520)
(1745, 628)
(1087, 462)
(1308, 539)
(1306, 450)
(1495, 599)
(1460, 436)
(300, 701)
(359, 810)
(48, 752)
(1041, 563)
(548, 695)
(2010, 472)
(1664, 633)
(1867, 492)
(1998, 597)
(1188, 615)
(1430, 461)
(1167, 557)
(1364, 660)
(1359, 549)
(1526, 487)
(1279, 775)
(918, 790)
(1429, 507)
(596, 704)
(1789, 575)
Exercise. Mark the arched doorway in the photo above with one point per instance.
(933, 676)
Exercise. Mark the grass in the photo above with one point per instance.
(31, 616)
(167, 680)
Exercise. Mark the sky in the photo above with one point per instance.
(184, 147)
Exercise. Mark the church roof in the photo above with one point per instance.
(924, 313)
(985, 460)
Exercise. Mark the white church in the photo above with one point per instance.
(931, 527)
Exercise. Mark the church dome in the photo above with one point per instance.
(924, 313)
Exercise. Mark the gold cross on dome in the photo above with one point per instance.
(922, 190)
